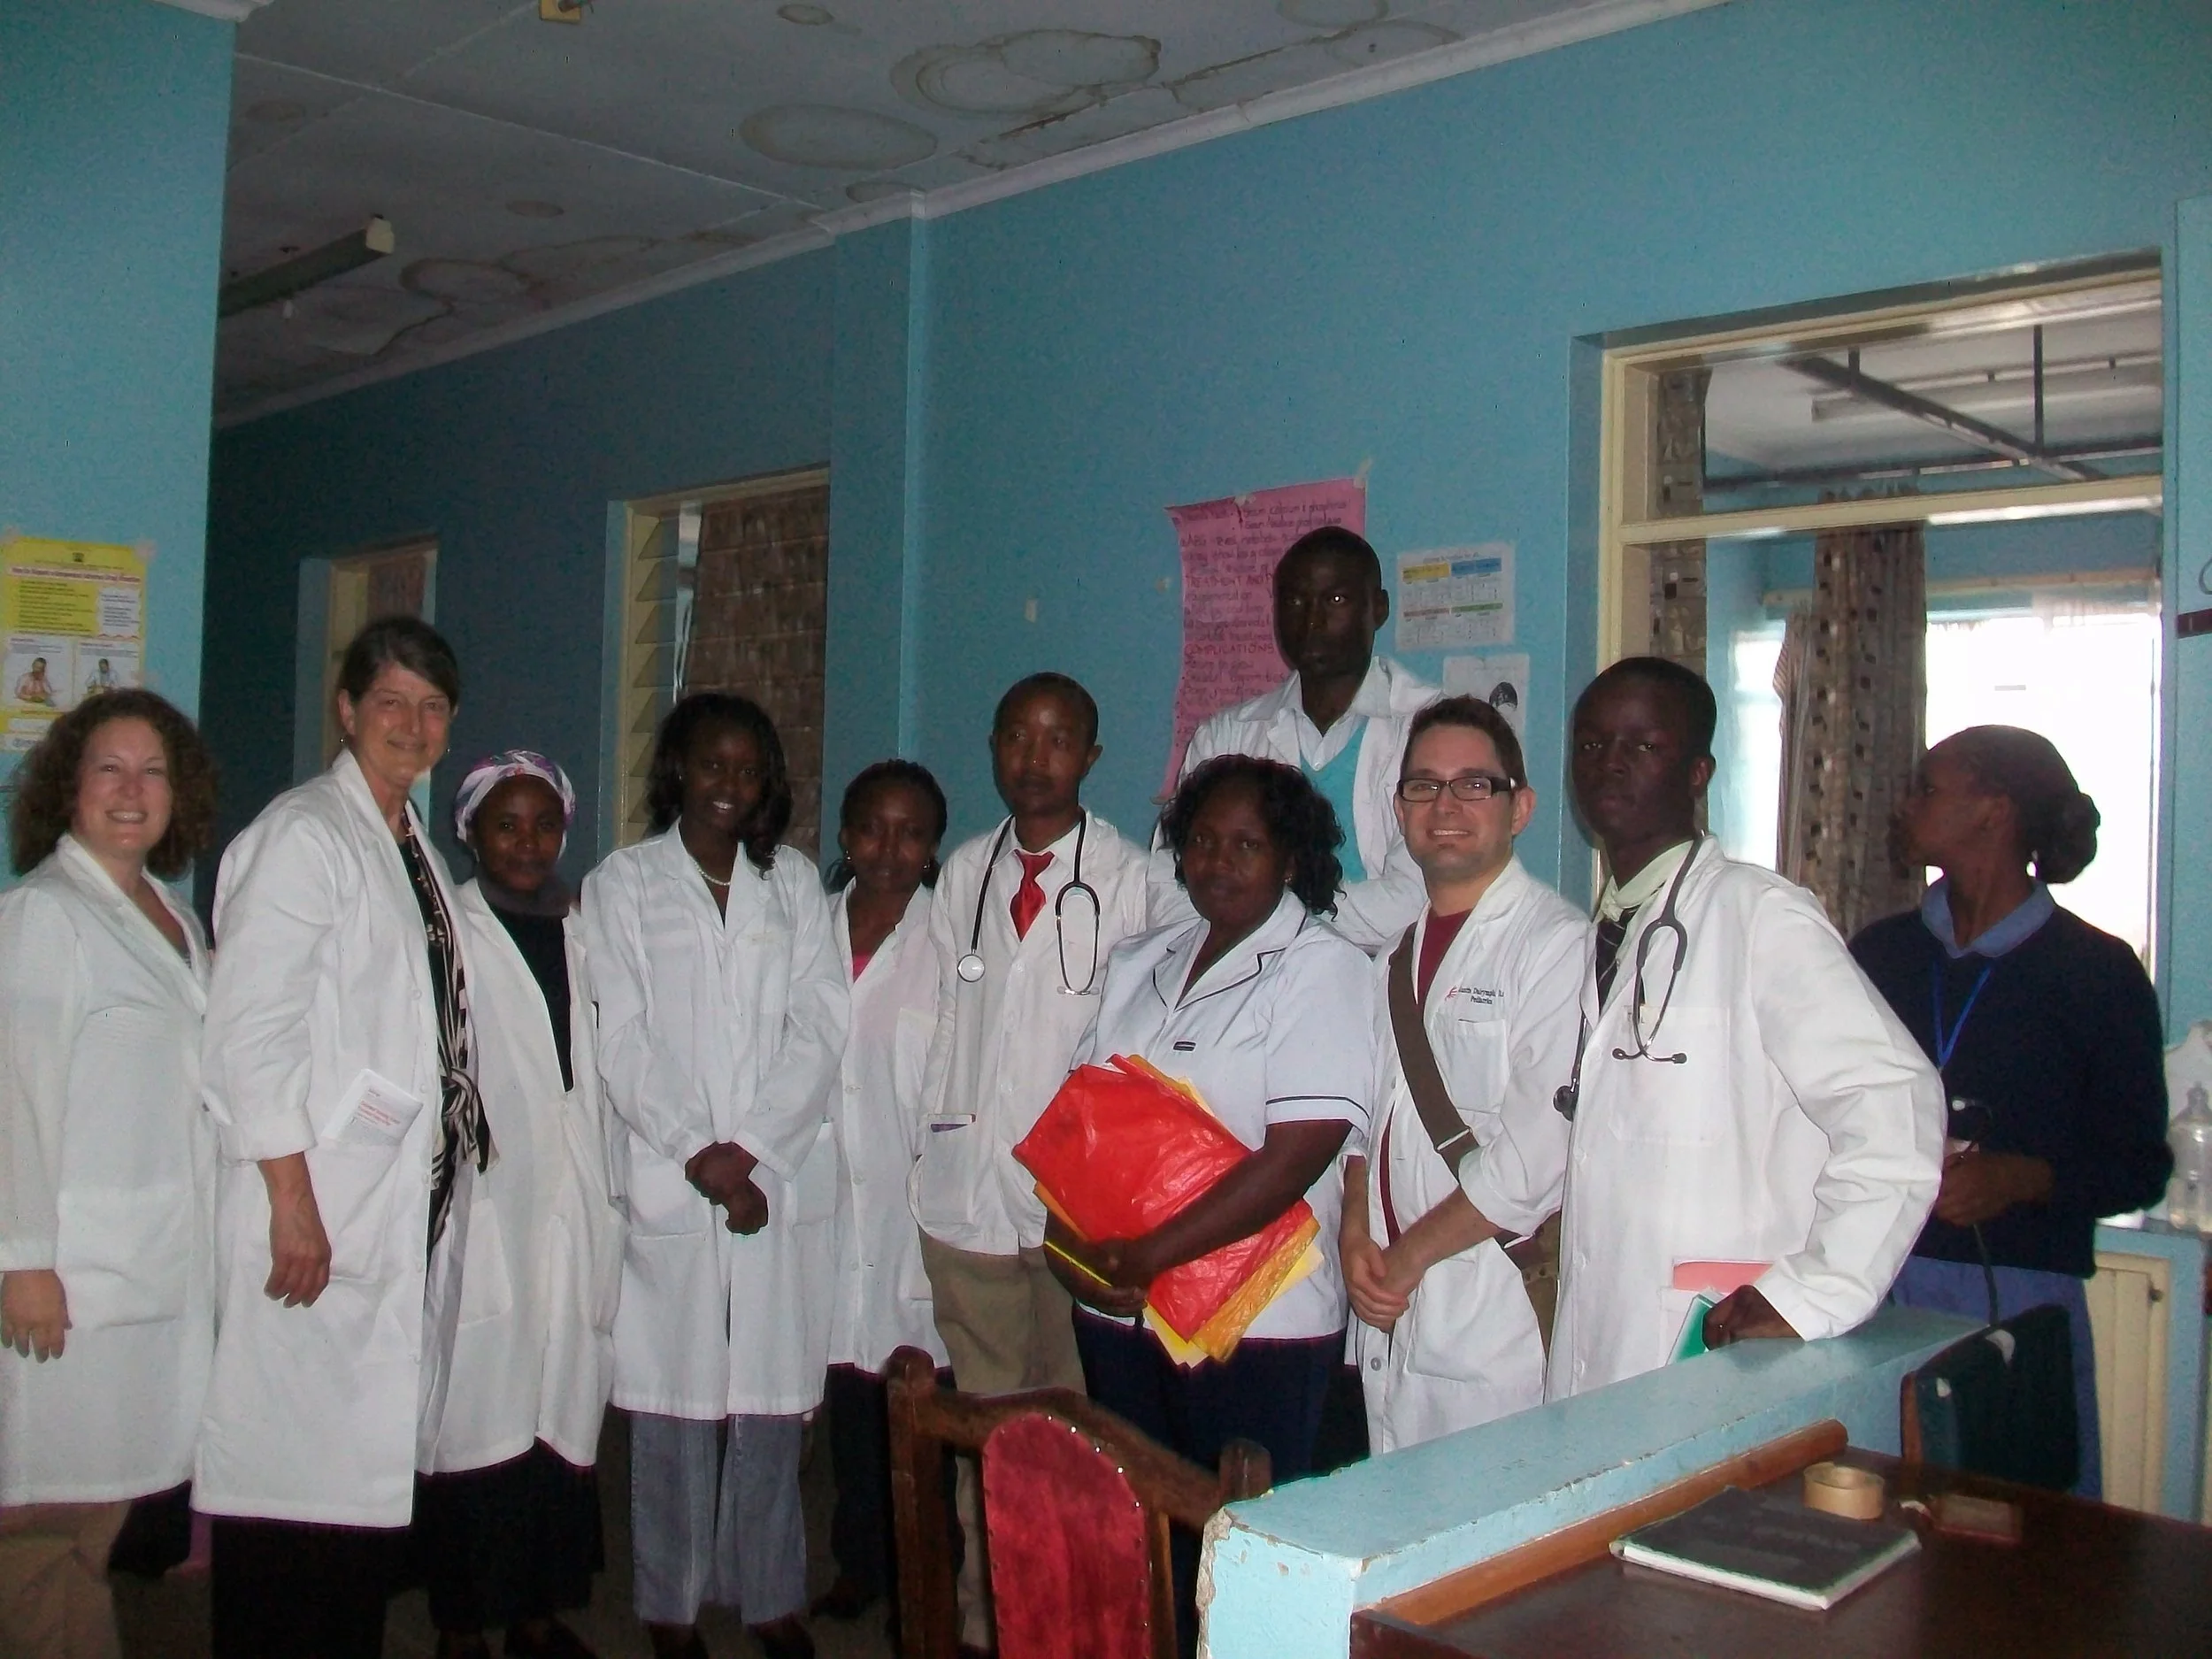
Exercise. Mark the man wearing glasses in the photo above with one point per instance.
(1447, 1249)
(1750, 1122)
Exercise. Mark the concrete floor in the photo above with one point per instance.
(168, 1619)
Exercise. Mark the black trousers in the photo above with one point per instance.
(290, 1590)
(859, 1413)
(515, 1541)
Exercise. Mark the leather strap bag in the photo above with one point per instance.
(1538, 1255)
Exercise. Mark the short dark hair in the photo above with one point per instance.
(1297, 815)
(1476, 715)
(2057, 821)
(46, 797)
(680, 727)
(1692, 697)
(882, 774)
(1060, 685)
(406, 643)
(1333, 539)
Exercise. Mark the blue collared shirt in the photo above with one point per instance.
(2015, 929)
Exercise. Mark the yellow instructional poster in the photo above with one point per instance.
(73, 617)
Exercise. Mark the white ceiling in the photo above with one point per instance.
(2102, 382)
(532, 167)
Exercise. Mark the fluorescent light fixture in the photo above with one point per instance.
(365, 246)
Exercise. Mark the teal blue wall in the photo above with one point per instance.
(1416, 281)
(2033, 546)
(114, 115)
(510, 459)
(1404, 279)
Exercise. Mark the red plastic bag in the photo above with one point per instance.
(1122, 1148)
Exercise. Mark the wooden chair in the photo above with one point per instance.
(1113, 1490)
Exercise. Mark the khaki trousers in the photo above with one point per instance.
(1008, 1325)
(54, 1600)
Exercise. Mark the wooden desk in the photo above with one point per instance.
(2085, 1578)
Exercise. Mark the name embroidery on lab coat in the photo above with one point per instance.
(1481, 996)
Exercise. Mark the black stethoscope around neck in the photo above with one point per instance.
(1568, 1094)
(970, 966)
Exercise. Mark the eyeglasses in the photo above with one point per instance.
(1469, 786)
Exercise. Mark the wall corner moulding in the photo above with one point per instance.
(229, 10)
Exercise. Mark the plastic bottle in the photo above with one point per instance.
(2189, 1195)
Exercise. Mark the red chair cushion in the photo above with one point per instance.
(1069, 1568)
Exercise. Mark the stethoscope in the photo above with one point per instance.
(970, 967)
(1669, 923)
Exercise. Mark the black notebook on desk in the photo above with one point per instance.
(1769, 1544)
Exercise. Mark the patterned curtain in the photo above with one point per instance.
(1853, 679)
(397, 585)
(758, 622)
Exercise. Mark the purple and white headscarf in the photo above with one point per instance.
(494, 769)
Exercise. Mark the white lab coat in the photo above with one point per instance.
(713, 1028)
(107, 1177)
(1280, 1029)
(1371, 913)
(314, 1413)
(1804, 1129)
(534, 1355)
(1001, 1045)
(1501, 1016)
(883, 1300)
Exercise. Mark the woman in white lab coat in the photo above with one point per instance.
(339, 1064)
(1268, 1012)
(507, 1516)
(107, 1163)
(722, 1018)
(892, 817)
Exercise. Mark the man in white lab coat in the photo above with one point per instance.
(1023, 919)
(1435, 1227)
(1745, 1106)
(1341, 718)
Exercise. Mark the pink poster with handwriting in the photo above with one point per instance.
(1229, 550)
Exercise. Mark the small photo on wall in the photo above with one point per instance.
(102, 669)
(1501, 679)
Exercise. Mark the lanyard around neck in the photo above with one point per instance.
(1947, 1042)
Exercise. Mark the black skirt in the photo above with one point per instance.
(518, 1540)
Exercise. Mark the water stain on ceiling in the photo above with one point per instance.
(527, 166)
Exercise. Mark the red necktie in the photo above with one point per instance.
(1029, 898)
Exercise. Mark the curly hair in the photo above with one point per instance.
(2057, 822)
(880, 774)
(1299, 819)
(46, 797)
(685, 724)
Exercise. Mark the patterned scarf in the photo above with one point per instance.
(464, 1131)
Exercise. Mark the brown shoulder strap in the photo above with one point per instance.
(1448, 1131)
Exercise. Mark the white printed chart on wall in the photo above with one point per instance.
(73, 617)
(1231, 548)
(1453, 598)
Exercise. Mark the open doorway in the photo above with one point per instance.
(1872, 527)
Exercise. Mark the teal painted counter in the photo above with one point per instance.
(1285, 1573)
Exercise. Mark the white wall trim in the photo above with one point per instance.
(229, 10)
(1525, 40)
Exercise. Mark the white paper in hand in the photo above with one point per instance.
(374, 1112)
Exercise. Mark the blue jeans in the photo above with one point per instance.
(1959, 1288)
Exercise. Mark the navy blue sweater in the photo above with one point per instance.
(2064, 1047)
